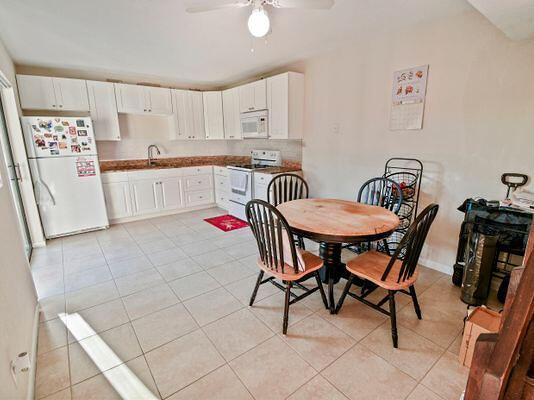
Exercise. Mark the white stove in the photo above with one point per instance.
(242, 179)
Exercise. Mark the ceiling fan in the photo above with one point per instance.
(258, 21)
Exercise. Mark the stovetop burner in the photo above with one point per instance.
(250, 166)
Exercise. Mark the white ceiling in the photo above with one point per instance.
(514, 17)
(158, 38)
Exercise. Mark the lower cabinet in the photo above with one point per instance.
(199, 198)
(118, 201)
(144, 196)
(170, 192)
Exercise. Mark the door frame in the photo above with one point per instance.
(18, 150)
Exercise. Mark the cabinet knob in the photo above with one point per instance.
(53, 105)
(61, 106)
(251, 108)
(149, 110)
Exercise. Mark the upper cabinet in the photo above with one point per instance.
(252, 96)
(47, 93)
(232, 115)
(213, 115)
(189, 115)
(137, 99)
(285, 101)
(103, 110)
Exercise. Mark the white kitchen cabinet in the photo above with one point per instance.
(253, 96)
(213, 115)
(285, 101)
(169, 192)
(222, 187)
(189, 115)
(231, 113)
(47, 93)
(118, 201)
(137, 99)
(199, 198)
(103, 110)
(144, 196)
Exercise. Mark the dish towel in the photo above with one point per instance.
(238, 182)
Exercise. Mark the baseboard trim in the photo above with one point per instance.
(446, 269)
(33, 358)
(161, 214)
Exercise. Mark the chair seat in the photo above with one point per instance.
(372, 264)
(311, 263)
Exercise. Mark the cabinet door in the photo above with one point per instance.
(182, 114)
(36, 92)
(118, 202)
(130, 98)
(246, 98)
(103, 108)
(170, 192)
(199, 197)
(197, 115)
(278, 104)
(158, 100)
(260, 191)
(260, 95)
(71, 94)
(232, 117)
(213, 115)
(144, 196)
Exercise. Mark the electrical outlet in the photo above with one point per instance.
(336, 129)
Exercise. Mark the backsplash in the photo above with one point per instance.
(138, 132)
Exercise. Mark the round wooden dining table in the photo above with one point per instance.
(333, 222)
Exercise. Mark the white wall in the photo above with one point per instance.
(479, 117)
(17, 294)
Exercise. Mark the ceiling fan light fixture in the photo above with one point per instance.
(258, 22)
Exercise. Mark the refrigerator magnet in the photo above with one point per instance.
(54, 152)
(80, 123)
(72, 130)
(52, 145)
(75, 148)
(59, 128)
(62, 145)
(65, 123)
(82, 132)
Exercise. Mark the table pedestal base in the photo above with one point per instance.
(332, 270)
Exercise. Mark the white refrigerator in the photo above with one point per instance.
(66, 176)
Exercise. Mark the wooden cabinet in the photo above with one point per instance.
(189, 115)
(117, 197)
(253, 96)
(213, 115)
(136, 99)
(47, 93)
(103, 110)
(232, 114)
(285, 101)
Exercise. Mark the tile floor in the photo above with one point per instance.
(163, 305)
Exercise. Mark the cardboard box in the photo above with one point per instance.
(481, 320)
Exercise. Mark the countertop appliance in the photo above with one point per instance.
(66, 176)
(255, 124)
(242, 179)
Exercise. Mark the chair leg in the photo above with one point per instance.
(255, 292)
(393, 316)
(286, 307)
(301, 242)
(321, 289)
(344, 294)
(415, 302)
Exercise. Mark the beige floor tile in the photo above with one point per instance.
(211, 306)
(242, 290)
(120, 341)
(61, 395)
(415, 354)
(167, 256)
(100, 318)
(242, 250)
(163, 326)
(199, 247)
(100, 387)
(447, 378)
(52, 372)
(271, 311)
(87, 278)
(51, 307)
(230, 272)
(427, 277)
(213, 259)
(250, 262)
(136, 282)
(272, 370)
(91, 296)
(129, 266)
(227, 241)
(52, 334)
(423, 393)
(45, 257)
(317, 341)
(193, 285)
(183, 361)
(371, 377)
(48, 281)
(221, 384)
(149, 300)
(183, 239)
(354, 318)
(157, 246)
(237, 333)
(83, 264)
(179, 269)
(123, 252)
(454, 348)
(317, 389)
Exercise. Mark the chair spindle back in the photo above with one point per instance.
(382, 192)
(286, 187)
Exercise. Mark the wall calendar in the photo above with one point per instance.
(408, 98)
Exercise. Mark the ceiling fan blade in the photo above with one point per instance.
(210, 5)
(311, 4)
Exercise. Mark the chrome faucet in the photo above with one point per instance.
(149, 156)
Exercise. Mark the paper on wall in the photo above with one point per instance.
(408, 98)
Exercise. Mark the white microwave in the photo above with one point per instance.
(255, 124)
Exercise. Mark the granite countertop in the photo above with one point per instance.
(181, 162)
